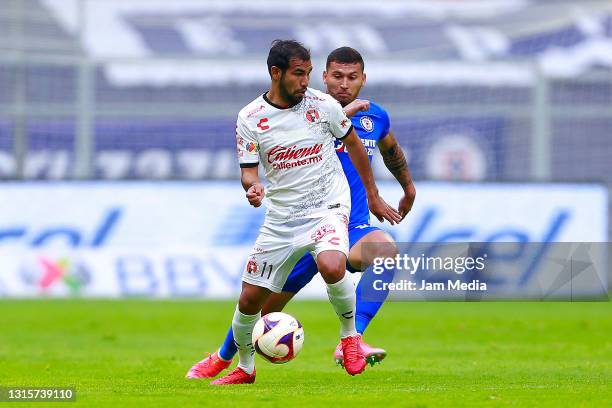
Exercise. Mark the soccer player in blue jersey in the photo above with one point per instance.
(344, 77)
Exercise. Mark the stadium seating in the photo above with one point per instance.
(454, 80)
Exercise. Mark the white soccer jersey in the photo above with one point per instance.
(296, 148)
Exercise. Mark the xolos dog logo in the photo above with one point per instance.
(312, 115)
(251, 266)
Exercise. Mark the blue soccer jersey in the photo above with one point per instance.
(371, 126)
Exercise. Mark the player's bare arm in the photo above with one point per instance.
(252, 185)
(359, 157)
(357, 105)
(394, 159)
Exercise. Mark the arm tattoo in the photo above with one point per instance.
(396, 163)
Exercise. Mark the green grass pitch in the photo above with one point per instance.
(134, 353)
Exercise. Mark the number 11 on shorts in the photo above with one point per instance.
(263, 270)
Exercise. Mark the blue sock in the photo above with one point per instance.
(365, 313)
(228, 349)
(367, 309)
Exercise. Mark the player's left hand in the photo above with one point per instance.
(383, 211)
(406, 202)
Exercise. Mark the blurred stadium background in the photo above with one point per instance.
(478, 91)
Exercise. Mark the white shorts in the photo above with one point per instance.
(281, 244)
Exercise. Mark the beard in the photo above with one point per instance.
(343, 102)
(288, 96)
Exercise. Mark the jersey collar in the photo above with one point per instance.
(269, 102)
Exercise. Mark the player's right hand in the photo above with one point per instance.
(383, 211)
(356, 106)
(255, 194)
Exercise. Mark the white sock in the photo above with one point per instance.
(342, 297)
(242, 325)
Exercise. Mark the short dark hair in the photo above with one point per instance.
(345, 55)
(282, 51)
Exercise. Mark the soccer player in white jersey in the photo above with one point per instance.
(290, 131)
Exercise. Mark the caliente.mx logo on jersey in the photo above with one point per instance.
(284, 157)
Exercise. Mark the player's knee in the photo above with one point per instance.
(332, 268)
(386, 250)
(376, 244)
(247, 306)
(250, 302)
(332, 276)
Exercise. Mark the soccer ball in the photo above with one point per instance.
(278, 337)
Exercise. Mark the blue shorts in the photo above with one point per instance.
(306, 268)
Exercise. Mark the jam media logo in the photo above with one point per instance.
(47, 274)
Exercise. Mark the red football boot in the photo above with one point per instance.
(354, 361)
(210, 367)
(372, 355)
(238, 376)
